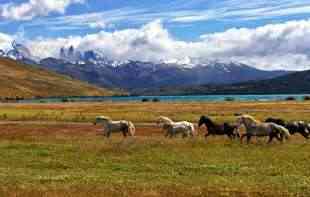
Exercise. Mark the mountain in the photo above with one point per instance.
(293, 83)
(136, 75)
(93, 67)
(21, 80)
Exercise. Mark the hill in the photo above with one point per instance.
(293, 83)
(21, 80)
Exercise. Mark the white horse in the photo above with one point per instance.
(257, 128)
(124, 126)
(173, 128)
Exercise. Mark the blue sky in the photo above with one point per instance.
(186, 20)
(183, 23)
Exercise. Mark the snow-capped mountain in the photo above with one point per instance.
(95, 68)
(136, 74)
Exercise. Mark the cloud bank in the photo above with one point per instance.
(35, 8)
(275, 46)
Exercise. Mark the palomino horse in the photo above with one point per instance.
(173, 128)
(257, 128)
(123, 126)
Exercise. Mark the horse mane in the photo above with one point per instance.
(104, 118)
(206, 118)
(250, 117)
(165, 119)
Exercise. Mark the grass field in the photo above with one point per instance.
(54, 150)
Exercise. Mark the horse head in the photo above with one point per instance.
(100, 119)
(164, 120)
(205, 120)
(246, 120)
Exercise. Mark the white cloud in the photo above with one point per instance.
(5, 41)
(274, 46)
(34, 8)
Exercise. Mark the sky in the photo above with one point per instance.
(266, 34)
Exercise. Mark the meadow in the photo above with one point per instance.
(55, 150)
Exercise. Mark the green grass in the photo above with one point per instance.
(153, 164)
(52, 160)
(149, 112)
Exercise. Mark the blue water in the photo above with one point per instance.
(190, 98)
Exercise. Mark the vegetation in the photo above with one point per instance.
(155, 100)
(19, 81)
(140, 112)
(48, 156)
(290, 98)
(72, 161)
(306, 98)
(145, 100)
(229, 99)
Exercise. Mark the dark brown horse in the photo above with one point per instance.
(218, 129)
(293, 127)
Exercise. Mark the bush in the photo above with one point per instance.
(290, 98)
(306, 98)
(229, 99)
(145, 100)
(156, 100)
(64, 100)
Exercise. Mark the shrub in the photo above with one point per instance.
(64, 100)
(306, 98)
(229, 99)
(290, 98)
(156, 100)
(145, 100)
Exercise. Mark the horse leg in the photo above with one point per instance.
(242, 136)
(171, 134)
(230, 136)
(125, 133)
(191, 133)
(108, 134)
(248, 138)
(306, 135)
(280, 138)
(271, 136)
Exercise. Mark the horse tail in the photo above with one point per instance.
(131, 128)
(284, 132)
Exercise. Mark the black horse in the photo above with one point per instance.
(217, 129)
(293, 127)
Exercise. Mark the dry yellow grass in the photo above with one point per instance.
(148, 112)
(28, 81)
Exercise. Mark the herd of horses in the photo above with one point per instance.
(271, 127)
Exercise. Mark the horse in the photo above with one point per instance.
(123, 126)
(293, 127)
(259, 129)
(172, 129)
(216, 129)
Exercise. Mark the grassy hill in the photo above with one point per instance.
(20, 80)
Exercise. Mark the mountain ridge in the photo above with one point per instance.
(293, 83)
(136, 74)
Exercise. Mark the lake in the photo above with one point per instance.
(188, 98)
